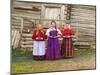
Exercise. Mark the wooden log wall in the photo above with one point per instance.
(83, 22)
(82, 18)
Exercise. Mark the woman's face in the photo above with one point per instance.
(62, 26)
(53, 25)
(39, 26)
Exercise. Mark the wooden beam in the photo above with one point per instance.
(62, 13)
(22, 24)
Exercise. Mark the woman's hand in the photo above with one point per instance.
(50, 36)
(64, 36)
(68, 36)
(53, 36)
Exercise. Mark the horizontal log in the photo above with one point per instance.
(85, 22)
(83, 11)
(15, 27)
(84, 32)
(85, 40)
(15, 20)
(83, 27)
(81, 43)
(82, 39)
(83, 15)
(27, 16)
(19, 21)
(26, 46)
(26, 28)
(26, 39)
(27, 11)
(81, 24)
(84, 7)
(24, 25)
(92, 30)
(19, 18)
(78, 18)
(89, 41)
(80, 32)
(26, 3)
(83, 35)
(27, 42)
(27, 35)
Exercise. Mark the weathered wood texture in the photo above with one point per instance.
(83, 22)
(25, 15)
(15, 38)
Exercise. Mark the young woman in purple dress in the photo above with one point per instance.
(53, 47)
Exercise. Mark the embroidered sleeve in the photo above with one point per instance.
(47, 32)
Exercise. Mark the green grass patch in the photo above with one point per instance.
(22, 61)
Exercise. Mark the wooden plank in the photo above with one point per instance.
(84, 7)
(89, 18)
(26, 46)
(16, 21)
(84, 21)
(26, 5)
(27, 35)
(16, 24)
(81, 43)
(27, 15)
(25, 24)
(86, 39)
(84, 27)
(27, 42)
(22, 24)
(17, 38)
(83, 11)
(42, 12)
(84, 15)
(13, 36)
(62, 11)
(91, 27)
(52, 5)
(26, 11)
(26, 39)
(15, 27)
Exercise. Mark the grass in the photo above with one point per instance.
(22, 62)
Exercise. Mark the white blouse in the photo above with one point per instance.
(48, 31)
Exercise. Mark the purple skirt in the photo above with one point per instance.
(53, 49)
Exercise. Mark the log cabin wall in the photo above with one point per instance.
(25, 15)
(84, 23)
